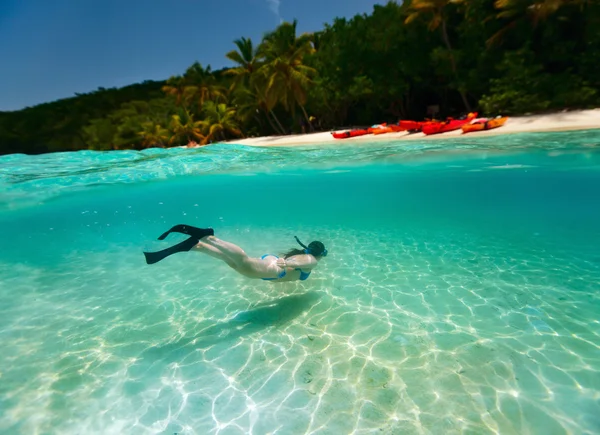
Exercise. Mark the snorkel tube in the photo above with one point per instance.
(300, 243)
(314, 250)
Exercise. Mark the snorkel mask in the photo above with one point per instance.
(314, 250)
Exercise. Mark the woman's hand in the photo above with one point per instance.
(281, 263)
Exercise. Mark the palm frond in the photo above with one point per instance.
(236, 57)
(412, 17)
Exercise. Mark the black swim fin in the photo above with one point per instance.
(198, 233)
(186, 245)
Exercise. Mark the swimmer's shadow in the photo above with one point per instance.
(264, 315)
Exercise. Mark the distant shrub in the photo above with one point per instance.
(524, 87)
(519, 89)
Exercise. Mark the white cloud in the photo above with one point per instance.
(274, 6)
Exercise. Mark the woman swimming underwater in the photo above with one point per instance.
(296, 264)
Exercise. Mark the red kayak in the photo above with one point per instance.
(409, 125)
(414, 126)
(351, 133)
(450, 125)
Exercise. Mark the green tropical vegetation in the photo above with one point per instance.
(494, 56)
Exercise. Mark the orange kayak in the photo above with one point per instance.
(484, 124)
(382, 130)
(377, 127)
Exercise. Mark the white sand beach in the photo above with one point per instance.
(561, 121)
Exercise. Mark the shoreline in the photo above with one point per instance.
(553, 122)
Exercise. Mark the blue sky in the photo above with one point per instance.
(51, 49)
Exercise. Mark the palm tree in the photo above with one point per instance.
(247, 82)
(248, 106)
(287, 76)
(153, 134)
(246, 59)
(219, 121)
(197, 85)
(436, 9)
(184, 128)
(538, 10)
(175, 87)
(201, 86)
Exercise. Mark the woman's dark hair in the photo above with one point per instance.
(293, 252)
(315, 248)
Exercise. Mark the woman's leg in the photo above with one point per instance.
(214, 252)
(231, 251)
(236, 258)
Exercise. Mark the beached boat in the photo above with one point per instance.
(409, 125)
(350, 133)
(450, 125)
(383, 129)
(360, 131)
(375, 127)
(484, 124)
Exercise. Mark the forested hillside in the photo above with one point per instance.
(497, 57)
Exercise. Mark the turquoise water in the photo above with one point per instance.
(460, 294)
